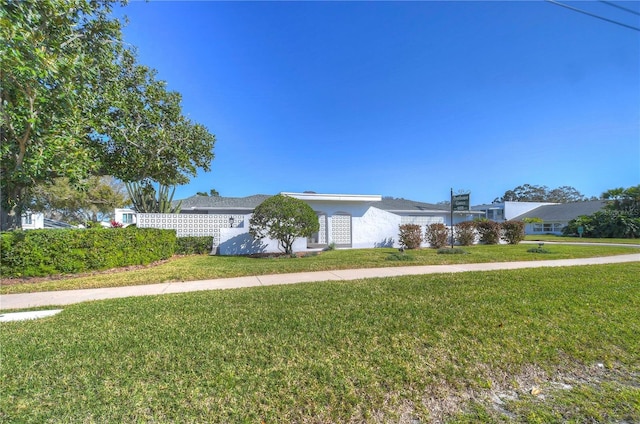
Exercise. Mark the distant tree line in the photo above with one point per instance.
(536, 193)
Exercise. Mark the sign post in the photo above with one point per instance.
(459, 202)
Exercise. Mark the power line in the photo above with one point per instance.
(608, 3)
(593, 15)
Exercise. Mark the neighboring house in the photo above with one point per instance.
(553, 218)
(506, 211)
(36, 220)
(32, 221)
(346, 220)
(125, 217)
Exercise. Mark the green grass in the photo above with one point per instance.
(550, 237)
(438, 347)
(209, 267)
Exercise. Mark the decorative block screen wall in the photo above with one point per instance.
(341, 229)
(190, 224)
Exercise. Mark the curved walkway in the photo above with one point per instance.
(67, 297)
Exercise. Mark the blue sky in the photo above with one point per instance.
(403, 99)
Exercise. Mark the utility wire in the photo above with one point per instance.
(593, 15)
(608, 3)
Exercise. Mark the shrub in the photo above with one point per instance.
(465, 233)
(410, 236)
(538, 250)
(436, 235)
(513, 231)
(193, 245)
(489, 231)
(35, 253)
(399, 257)
(605, 224)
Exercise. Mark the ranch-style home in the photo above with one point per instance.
(346, 220)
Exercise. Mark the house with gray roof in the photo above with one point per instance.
(346, 220)
(551, 219)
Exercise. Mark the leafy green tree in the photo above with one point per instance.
(283, 218)
(624, 200)
(50, 57)
(145, 136)
(74, 103)
(92, 201)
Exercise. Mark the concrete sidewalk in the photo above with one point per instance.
(67, 297)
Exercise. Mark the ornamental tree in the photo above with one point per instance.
(283, 218)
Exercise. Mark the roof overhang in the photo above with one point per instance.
(335, 197)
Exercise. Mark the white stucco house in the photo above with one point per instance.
(346, 221)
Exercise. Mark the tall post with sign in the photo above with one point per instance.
(459, 202)
(451, 222)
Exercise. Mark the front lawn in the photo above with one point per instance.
(205, 267)
(537, 345)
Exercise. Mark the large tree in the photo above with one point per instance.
(285, 219)
(535, 193)
(76, 103)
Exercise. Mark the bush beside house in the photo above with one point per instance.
(513, 231)
(37, 253)
(437, 234)
(465, 233)
(410, 236)
(194, 245)
(489, 231)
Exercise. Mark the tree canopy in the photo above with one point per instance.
(61, 200)
(535, 193)
(624, 200)
(283, 218)
(76, 103)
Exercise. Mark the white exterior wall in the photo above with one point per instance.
(513, 209)
(238, 241)
(35, 222)
(118, 216)
(376, 228)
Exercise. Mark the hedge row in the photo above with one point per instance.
(36, 253)
(194, 245)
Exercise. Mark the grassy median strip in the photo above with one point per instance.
(204, 267)
(538, 345)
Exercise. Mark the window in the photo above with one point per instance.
(127, 218)
(27, 219)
